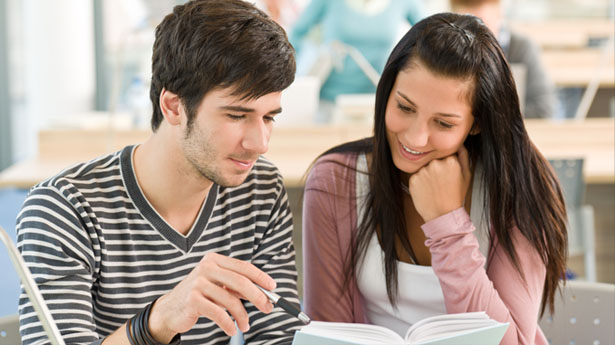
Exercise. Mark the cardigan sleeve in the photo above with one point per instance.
(327, 224)
(500, 290)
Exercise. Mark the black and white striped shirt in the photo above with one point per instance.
(100, 253)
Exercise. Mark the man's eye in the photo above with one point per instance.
(234, 117)
(269, 119)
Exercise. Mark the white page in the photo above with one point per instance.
(357, 332)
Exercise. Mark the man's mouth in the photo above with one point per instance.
(244, 162)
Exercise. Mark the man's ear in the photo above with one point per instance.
(171, 107)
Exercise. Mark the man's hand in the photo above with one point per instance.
(216, 285)
(441, 186)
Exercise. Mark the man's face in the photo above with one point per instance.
(227, 135)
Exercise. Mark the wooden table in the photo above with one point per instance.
(293, 149)
(577, 67)
(591, 139)
(565, 33)
(570, 49)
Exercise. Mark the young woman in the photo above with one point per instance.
(448, 208)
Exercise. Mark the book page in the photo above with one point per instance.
(353, 332)
(478, 315)
(445, 319)
(444, 329)
(490, 335)
(452, 326)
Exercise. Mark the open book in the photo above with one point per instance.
(474, 328)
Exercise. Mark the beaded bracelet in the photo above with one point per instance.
(137, 329)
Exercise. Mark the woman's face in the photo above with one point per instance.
(428, 117)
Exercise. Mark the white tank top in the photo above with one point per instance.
(419, 291)
(419, 294)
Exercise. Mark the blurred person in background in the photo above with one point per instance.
(370, 27)
(284, 12)
(539, 99)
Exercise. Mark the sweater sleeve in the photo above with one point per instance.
(500, 291)
(327, 221)
(61, 258)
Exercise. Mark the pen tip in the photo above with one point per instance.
(304, 318)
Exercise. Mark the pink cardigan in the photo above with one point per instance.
(329, 217)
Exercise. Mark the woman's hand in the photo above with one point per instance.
(441, 186)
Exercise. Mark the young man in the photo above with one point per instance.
(168, 239)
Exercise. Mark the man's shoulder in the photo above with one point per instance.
(101, 168)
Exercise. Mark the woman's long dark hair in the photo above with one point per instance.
(520, 190)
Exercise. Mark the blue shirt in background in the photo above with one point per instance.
(374, 35)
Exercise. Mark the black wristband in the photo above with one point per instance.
(137, 329)
(131, 339)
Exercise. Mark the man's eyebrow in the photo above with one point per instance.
(275, 111)
(412, 103)
(241, 109)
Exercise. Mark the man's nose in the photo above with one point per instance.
(257, 138)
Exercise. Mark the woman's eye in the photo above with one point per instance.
(444, 124)
(404, 108)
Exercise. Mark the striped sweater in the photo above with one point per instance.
(100, 253)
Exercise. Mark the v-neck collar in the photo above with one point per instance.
(182, 242)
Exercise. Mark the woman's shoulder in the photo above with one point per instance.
(337, 162)
(338, 158)
(332, 169)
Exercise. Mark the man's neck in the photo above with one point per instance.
(174, 191)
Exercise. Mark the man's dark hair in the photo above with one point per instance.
(209, 44)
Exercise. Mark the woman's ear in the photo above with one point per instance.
(171, 107)
(475, 128)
